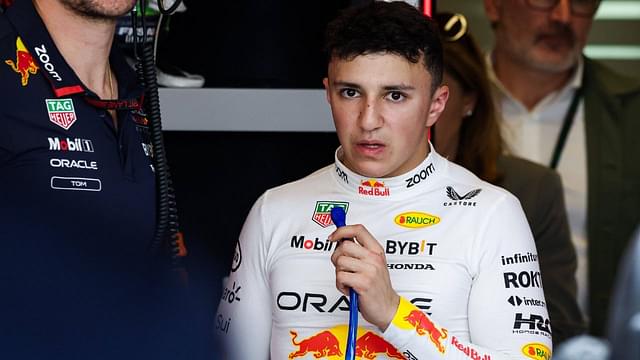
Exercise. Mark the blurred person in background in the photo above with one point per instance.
(468, 134)
(573, 114)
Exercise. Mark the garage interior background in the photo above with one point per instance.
(262, 119)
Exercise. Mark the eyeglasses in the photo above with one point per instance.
(578, 7)
(452, 26)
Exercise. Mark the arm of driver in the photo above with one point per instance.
(244, 312)
(492, 319)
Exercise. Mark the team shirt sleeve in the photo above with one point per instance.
(507, 310)
(243, 321)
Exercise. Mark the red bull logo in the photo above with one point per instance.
(373, 187)
(424, 326)
(536, 351)
(24, 64)
(331, 344)
(369, 345)
(469, 351)
(321, 345)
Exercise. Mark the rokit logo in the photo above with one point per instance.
(517, 301)
(423, 174)
(461, 200)
(68, 144)
(422, 247)
(299, 242)
(231, 295)
(312, 302)
(534, 325)
(523, 279)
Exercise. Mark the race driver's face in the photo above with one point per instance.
(382, 106)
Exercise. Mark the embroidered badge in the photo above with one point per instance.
(61, 112)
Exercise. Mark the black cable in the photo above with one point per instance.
(166, 235)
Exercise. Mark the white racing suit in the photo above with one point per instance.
(459, 252)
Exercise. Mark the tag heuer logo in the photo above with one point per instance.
(61, 112)
(322, 213)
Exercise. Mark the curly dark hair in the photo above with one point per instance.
(386, 27)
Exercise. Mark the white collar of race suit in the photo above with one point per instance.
(421, 178)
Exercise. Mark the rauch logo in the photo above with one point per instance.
(415, 219)
(536, 351)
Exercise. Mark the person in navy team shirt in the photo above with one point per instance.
(77, 190)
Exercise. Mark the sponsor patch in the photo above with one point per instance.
(231, 295)
(331, 343)
(468, 350)
(408, 317)
(532, 325)
(24, 64)
(536, 351)
(461, 200)
(373, 187)
(415, 219)
(516, 301)
(61, 112)
(237, 258)
(322, 212)
(75, 183)
(70, 144)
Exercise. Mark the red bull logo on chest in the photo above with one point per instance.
(24, 63)
(373, 187)
(332, 344)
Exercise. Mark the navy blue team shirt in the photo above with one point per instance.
(77, 203)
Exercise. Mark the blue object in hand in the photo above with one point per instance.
(339, 219)
(338, 216)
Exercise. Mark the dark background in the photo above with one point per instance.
(263, 44)
(218, 176)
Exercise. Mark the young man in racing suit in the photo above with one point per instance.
(444, 264)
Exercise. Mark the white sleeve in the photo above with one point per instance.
(243, 321)
(507, 310)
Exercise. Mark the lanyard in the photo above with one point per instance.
(566, 126)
